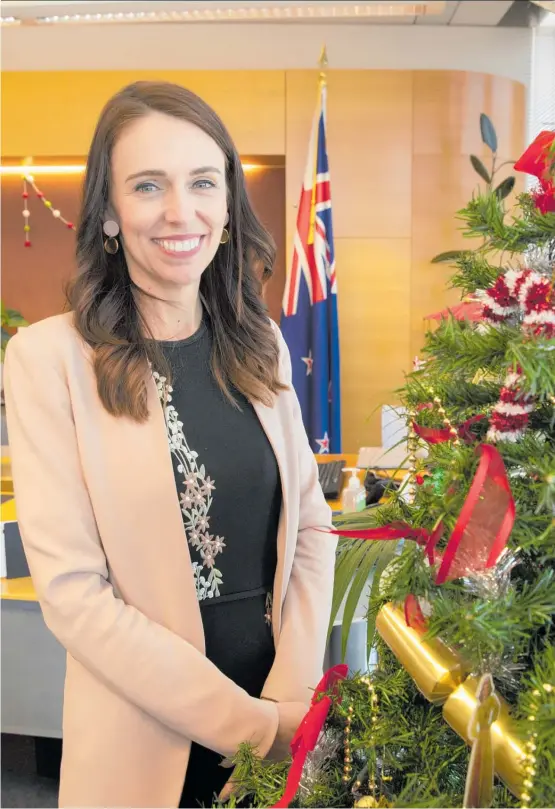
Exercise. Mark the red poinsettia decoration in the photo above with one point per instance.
(539, 161)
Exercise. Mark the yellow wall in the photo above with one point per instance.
(398, 142)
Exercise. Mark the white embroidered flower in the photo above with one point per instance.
(209, 486)
(218, 545)
(206, 540)
(186, 500)
(207, 557)
(203, 523)
(191, 481)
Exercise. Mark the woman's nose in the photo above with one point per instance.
(180, 206)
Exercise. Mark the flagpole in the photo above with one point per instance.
(322, 64)
(322, 83)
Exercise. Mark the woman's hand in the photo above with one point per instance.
(291, 714)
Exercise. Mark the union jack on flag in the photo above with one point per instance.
(309, 320)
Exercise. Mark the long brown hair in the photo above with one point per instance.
(103, 297)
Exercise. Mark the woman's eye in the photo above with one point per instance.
(146, 187)
(204, 184)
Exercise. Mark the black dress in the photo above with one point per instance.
(229, 488)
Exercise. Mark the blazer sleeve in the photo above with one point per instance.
(307, 607)
(139, 659)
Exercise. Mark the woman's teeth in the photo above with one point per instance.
(185, 246)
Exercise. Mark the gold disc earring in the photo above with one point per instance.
(225, 236)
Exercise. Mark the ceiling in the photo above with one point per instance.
(473, 13)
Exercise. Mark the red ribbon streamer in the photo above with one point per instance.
(304, 740)
(438, 436)
(397, 530)
(485, 522)
(414, 617)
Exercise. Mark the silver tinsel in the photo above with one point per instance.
(328, 746)
(493, 582)
(540, 257)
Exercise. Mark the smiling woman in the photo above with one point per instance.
(168, 499)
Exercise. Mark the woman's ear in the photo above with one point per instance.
(109, 213)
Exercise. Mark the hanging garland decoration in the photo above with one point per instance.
(28, 179)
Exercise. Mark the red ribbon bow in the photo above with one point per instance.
(304, 740)
(478, 538)
(538, 160)
(397, 530)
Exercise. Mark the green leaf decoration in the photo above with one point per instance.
(360, 581)
(350, 556)
(488, 133)
(448, 256)
(504, 188)
(388, 552)
(479, 168)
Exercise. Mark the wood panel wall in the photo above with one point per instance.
(399, 145)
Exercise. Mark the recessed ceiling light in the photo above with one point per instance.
(258, 13)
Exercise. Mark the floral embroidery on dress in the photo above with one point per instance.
(195, 499)
(268, 606)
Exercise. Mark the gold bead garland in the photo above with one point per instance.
(412, 445)
(347, 765)
(373, 719)
(530, 748)
(446, 421)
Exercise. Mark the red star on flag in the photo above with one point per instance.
(324, 444)
(309, 363)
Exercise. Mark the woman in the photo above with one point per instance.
(167, 497)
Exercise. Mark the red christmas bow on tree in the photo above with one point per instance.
(479, 536)
(539, 161)
(304, 740)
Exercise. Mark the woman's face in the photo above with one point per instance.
(169, 198)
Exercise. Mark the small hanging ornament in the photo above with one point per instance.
(370, 802)
(29, 180)
(463, 709)
(479, 778)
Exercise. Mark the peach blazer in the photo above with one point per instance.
(102, 528)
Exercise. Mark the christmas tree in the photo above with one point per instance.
(460, 708)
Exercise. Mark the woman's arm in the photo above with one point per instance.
(306, 611)
(141, 660)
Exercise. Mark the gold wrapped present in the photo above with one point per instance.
(436, 670)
